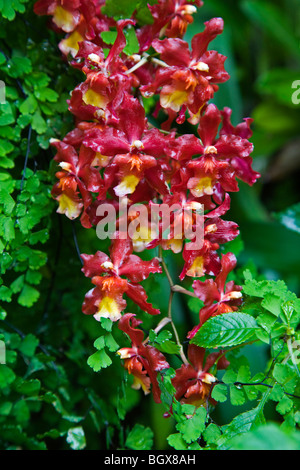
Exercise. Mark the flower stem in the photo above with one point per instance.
(182, 290)
(181, 352)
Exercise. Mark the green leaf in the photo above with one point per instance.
(132, 46)
(18, 284)
(212, 433)
(76, 438)
(21, 411)
(8, 9)
(7, 201)
(237, 396)
(5, 408)
(6, 114)
(219, 393)
(109, 37)
(5, 294)
(139, 438)
(29, 345)
(226, 330)
(285, 405)
(28, 296)
(177, 442)
(5, 148)
(7, 376)
(29, 387)
(241, 424)
(38, 123)
(110, 343)
(29, 105)
(99, 360)
(120, 9)
(162, 342)
(192, 428)
(7, 228)
(268, 437)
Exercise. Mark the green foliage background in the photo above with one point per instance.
(56, 389)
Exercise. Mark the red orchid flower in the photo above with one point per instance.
(65, 13)
(189, 79)
(98, 97)
(77, 180)
(218, 297)
(206, 260)
(92, 24)
(223, 158)
(134, 149)
(193, 382)
(171, 18)
(141, 360)
(106, 299)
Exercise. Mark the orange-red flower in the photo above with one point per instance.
(193, 382)
(189, 79)
(141, 360)
(106, 299)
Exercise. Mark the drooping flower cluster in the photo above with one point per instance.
(114, 155)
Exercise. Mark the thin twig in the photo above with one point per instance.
(181, 352)
(182, 290)
(76, 242)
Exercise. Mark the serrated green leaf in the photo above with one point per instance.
(285, 405)
(99, 360)
(5, 294)
(28, 296)
(132, 44)
(241, 424)
(237, 395)
(29, 345)
(192, 428)
(5, 148)
(110, 343)
(226, 330)
(8, 9)
(7, 376)
(219, 393)
(212, 433)
(5, 408)
(29, 105)
(29, 387)
(139, 438)
(21, 411)
(268, 437)
(177, 442)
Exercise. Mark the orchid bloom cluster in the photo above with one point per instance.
(115, 154)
